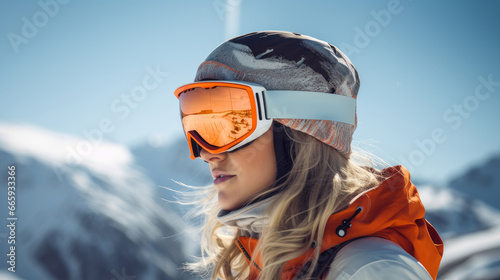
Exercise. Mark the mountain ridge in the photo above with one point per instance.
(89, 219)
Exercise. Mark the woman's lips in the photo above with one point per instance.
(222, 178)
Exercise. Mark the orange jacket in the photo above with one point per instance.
(392, 210)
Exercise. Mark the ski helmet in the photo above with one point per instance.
(281, 60)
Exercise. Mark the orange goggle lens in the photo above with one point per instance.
(218, 117)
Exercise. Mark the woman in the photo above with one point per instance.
(273, 113)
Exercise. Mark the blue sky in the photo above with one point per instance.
(429, 94)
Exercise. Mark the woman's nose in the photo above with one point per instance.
(209, 157)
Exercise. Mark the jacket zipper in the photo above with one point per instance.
(247, 255)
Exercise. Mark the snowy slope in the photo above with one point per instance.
(470, 230)
(466, 213)
(4, 275)
(473, 256)
(86, 211)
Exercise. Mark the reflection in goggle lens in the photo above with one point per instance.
(220, 115)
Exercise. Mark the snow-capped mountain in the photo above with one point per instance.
(85, 211)
(466, 213)
(454, 213)
(481, 182)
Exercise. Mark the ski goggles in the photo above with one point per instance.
(223, 116)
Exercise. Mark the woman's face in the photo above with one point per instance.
(241, 175)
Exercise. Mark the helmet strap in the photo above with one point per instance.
(282, 150)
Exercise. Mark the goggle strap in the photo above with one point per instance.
(282, 104)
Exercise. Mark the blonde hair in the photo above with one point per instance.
(322, 181)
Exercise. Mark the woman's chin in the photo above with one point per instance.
(225, 202)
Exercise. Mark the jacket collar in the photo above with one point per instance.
(392, 210)
(250, 219)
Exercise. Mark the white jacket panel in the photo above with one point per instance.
(375, 259)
